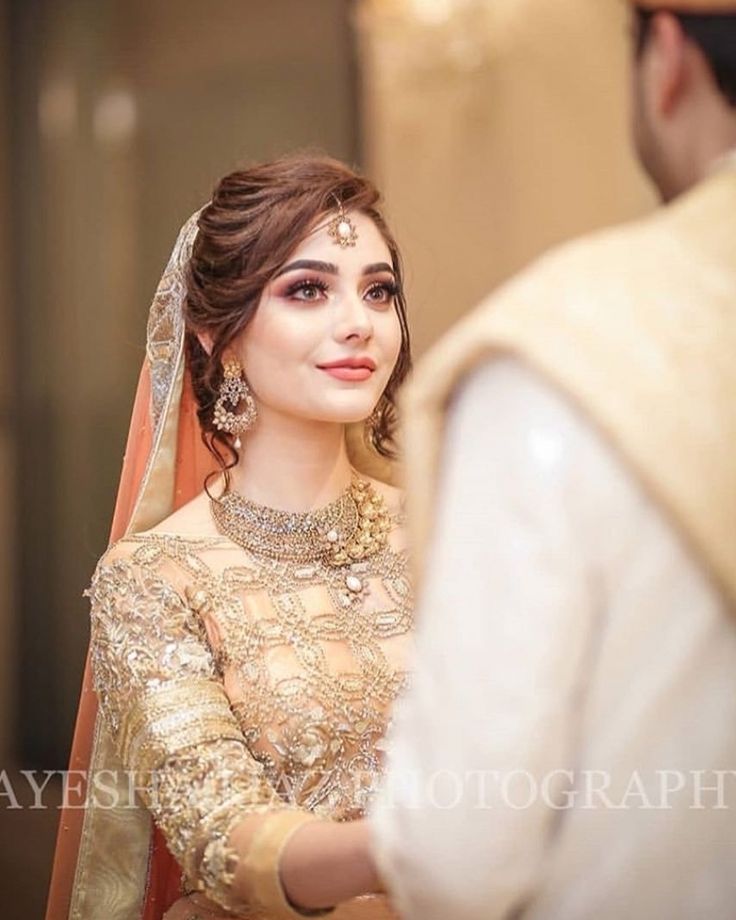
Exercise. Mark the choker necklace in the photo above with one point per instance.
(349, 529)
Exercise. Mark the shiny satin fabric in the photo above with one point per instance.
(112, 863)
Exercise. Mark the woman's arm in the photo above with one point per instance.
(171, 721)
(322, 864)
(326, 862)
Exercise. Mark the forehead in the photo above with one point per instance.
(370, 246)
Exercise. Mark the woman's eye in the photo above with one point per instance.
(381, 293)
(307, 290)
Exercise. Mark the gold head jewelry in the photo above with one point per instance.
(341, 228)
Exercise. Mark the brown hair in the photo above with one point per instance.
(256, 218)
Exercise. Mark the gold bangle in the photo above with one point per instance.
(262, 864)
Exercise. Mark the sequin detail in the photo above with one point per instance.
(237, 685)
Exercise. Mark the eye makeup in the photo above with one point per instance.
(303, 286)
(308, 290)
(389, 289)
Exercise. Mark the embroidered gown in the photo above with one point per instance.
(235, 684)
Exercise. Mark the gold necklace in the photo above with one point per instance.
(349, 529)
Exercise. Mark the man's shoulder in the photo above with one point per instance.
(616, 263)
(622, 256)
(654, 252)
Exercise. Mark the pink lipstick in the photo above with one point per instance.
(355, 368)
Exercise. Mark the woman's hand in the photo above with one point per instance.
(326, 863)
(196, 907)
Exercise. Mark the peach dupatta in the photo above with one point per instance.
(110, 861)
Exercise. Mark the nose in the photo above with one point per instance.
(354, 321)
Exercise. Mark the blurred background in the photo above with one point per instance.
(495, 128)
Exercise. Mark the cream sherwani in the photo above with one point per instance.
(568, 747)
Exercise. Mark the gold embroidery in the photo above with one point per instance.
(237, 685)
(177, 716)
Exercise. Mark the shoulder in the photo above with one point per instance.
(593, 268)
(136, 586)
(193, 519)
(143, 548)
(127, 563)
(588, 269)
(578, 289)
(144, 563)
(119, 554)
(518, 400)
(514, 437)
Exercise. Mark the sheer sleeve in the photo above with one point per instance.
(171, 721)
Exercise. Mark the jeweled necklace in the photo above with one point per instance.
(349, 529)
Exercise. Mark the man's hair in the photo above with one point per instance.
(714, 34)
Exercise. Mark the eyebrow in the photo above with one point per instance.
(377, 267)
(329, 268)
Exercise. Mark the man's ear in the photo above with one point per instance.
(205, 340)
(670, 66)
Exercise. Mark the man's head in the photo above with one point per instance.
(684, 88)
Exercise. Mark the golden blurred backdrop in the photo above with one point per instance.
(495, 129)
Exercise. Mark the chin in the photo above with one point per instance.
(347, 418)
(355, 397)
(347, 411)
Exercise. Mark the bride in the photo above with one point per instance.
(247, 647)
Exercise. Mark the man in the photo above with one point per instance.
(568, 747)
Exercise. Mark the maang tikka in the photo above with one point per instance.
(234, 390)
(341, 228)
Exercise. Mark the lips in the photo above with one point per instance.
(344, 372)
(359, 361)
(356, 368)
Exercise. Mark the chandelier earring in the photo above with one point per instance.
(233, 391)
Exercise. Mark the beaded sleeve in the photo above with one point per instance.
(171, 722)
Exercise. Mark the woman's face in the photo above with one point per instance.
(325, 337)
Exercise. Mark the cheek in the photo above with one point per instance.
(275, 345)
(389, 336)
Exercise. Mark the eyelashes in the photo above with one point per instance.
(390, 288)
(310, 289)
(305, 285)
